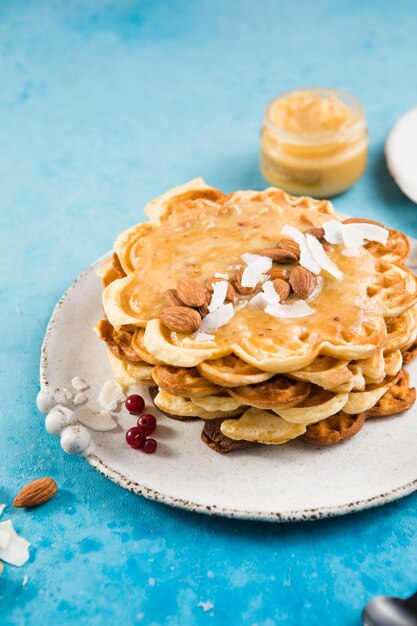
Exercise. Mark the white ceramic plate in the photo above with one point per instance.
(295, 481)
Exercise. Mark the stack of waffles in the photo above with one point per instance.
(267, 316)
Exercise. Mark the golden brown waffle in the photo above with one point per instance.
(182, 381)
(213, 437)
(399, 397)
(334, 429)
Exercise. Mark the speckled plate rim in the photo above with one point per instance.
(353, 506)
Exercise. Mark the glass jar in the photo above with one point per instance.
(314, 142)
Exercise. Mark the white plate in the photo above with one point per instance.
(295, 481)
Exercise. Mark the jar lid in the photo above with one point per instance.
(401, 153)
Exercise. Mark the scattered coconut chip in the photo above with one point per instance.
(249, 258)
(4, 539)
(2, 507)
(206, 606)
(320, 256)
(200, 336)
(270, 294)
(263, 278)
(79, 384)
(80, 398)
(372, 232)
(352, 236)
(241, 305)
(253, 272)
(111, 395)
(25, 580)
(16, 551)
(294, 233)
(219, 295)
(306, 258)
(259, 301)
(217, 318)
(220, 275)
(333, 232)
(101, 421)
(297, 309)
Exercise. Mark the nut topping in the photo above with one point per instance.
(190, 292)
(303, 282)
(282, 288)
(171, 297)
(244, 291)
(318, 233)
(279, 272)
(181, 319)
(290, 245)
(279, 255)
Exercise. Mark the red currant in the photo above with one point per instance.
(135, 438)
(150, 445)
(135, 404)
(146, 424)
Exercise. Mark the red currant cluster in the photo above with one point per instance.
(138, 436)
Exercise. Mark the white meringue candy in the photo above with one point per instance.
(59, 418)
(75, 439)
(48, 397)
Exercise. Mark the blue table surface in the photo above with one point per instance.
(103, 105)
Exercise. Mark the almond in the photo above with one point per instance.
(35, 493)
(171, 297)
(318, 233)
(244, 291)
(203, 310)
(361, 220)
(282, 288)
(278, 255)
(230, 293)
(279, 272)
(303, 282)
(181, 319)
(290, 245)
(190, 292)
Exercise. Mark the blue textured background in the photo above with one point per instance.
(103, 105)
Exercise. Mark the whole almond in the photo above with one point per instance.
(171, 297)
(36, 493)
(318, 233)
(279, 272)
(290, 245)
(181, 319)
(230, 293)
(303, 282)
(236, 281)
(190, 292)
(361, 220)
(279, 256)
(282, 288)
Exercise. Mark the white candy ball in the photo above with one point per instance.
(49, 397)
(59, 418)
(75, 439)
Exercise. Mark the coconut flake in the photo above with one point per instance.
(294, 233)
(297, 309)
(4, 539)
(253, 272)
(2, 507)
(333, 232)
(111, 395)
(250, 258)
(259, 301)
(79, 384)
(80, 398)
(306, 258)
(353, 237)
(241, 305)
(25, 580)
(219, 275)
(373, 232)
(270, 293)
(219, 295)
(319, 255)
(101, 421)
(200, 336)
(16, 551)
(217, 318)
